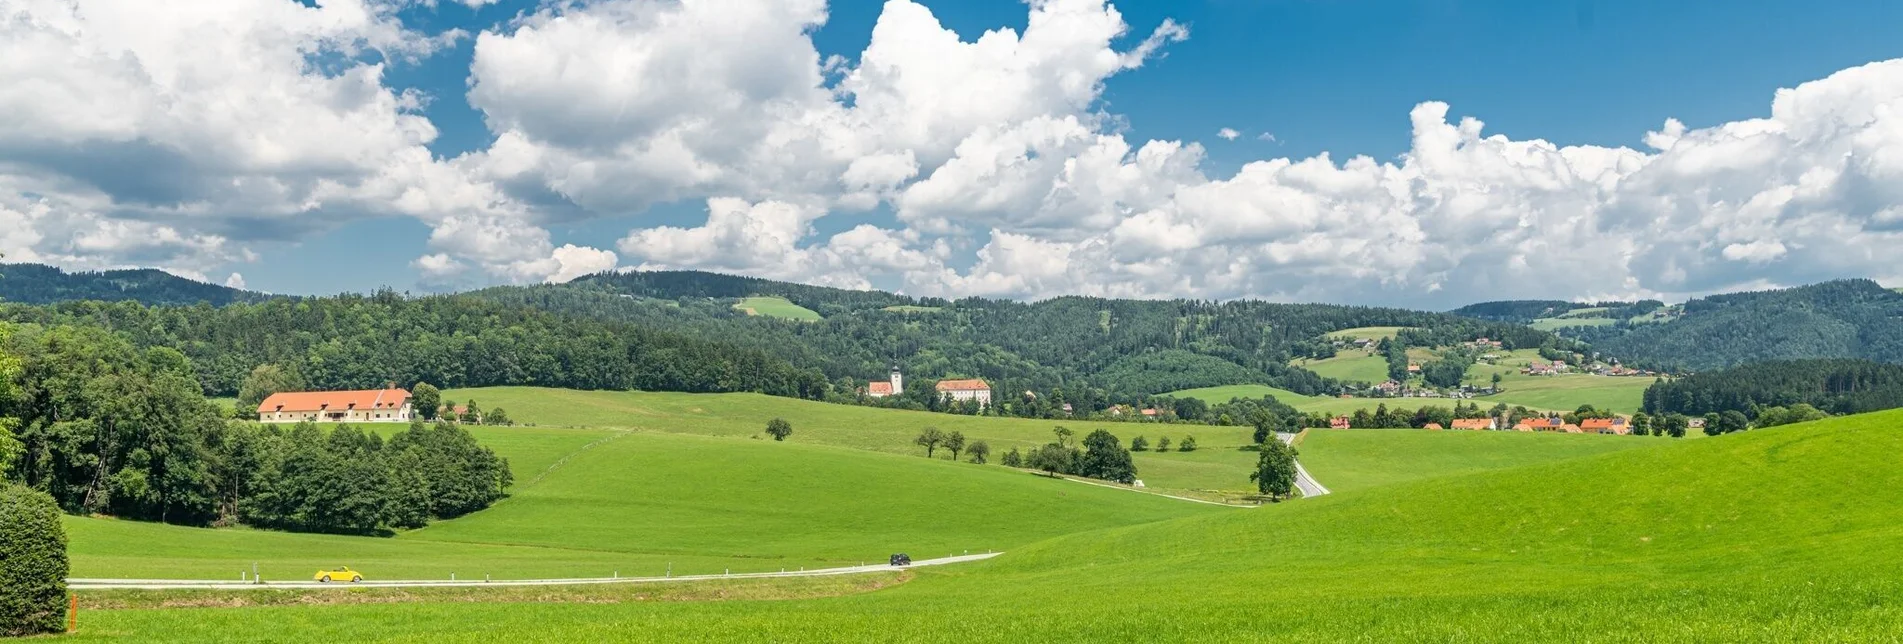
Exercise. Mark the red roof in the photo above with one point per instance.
(1601, 423)
(881, 388)
(296, 401)
(973, 384)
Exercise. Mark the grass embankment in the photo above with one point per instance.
(643, 501)
(776, 307)
(1772, 535)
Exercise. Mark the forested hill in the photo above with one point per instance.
(1841, 319)
(42, 284)
(1116, 347)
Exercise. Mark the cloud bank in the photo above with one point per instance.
(185, 137)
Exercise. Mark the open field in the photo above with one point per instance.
(1555, 324)
(1351, 365)
(1622, 394)
(643, 500)
(1226, 393)
(1352, 459)
(1367, 332)
(866, 428)
(776, 307)
(1735, 538)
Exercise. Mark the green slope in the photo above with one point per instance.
(1773, 535)
(776, 307)
(641, 501)
(1354, 459)
(1226, 393)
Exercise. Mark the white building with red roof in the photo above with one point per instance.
(893, 386)
(390, 405)
(972, 389)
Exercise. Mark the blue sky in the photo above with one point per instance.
(1334, 77)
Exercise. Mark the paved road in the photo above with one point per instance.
(199, 584)
(1307, 484)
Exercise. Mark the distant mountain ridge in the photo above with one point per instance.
(42, 284)
(1854, 318)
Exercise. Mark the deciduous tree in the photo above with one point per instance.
(779, 429)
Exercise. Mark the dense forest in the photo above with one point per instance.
(1841, 319)
(1526, 311)
(1834, 386)
(1126, 348)
(41, 284)
(107, 428)
(357, 342)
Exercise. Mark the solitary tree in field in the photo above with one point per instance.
(1139, 444)
(929, 438)
(1275, 470)
(496, 417)
(1163, 444)
(955, 442)
(978, 450)
(1188, 444)
(779, 429)
(1105, 458)
(1063, 435)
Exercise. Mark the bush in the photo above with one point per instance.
(32, 563)
(1012, 459)
(1138, 444)
(1188, 444)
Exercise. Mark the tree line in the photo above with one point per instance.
(1831, 386)
(105, 427)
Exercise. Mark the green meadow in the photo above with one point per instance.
(776, 307)
(1775, 535)
(1351, 365)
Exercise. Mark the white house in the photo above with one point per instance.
(390, 405)
(966, 390)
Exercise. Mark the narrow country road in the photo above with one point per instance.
(1307, 484)
(201, 584)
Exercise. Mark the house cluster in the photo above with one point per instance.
(1615, 425)
(1554, 368)
(974, 390)
(1397, 389)
(1483, 344)
(387, 405)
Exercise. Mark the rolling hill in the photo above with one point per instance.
(42, 284)
(1737, 538)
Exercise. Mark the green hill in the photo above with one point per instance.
(1773, 535)
(641, 501)
(1841, 319)
(42, 284)
(776, 307)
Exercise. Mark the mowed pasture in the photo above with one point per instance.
(1355, 459)
(1773, 535)
(776, 307)
(1222, 467)
(641, 502)
(1350, 365)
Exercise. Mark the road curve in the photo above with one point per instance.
(1307, 484)
(201, 584)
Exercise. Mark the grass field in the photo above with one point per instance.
(1568, 392)
(1367, 333)
(776, 307)
(1555, 324)
(1351, 365)
(1353, 459)
(1772, 535)
(644, 500)
(1226, 393)
(866, 428)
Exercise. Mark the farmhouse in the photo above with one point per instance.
(1338, 422)
(1474, 423)
(1616, 425)
(972, 390)
(390, 405)
(893, 385)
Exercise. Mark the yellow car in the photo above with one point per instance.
(342, 573)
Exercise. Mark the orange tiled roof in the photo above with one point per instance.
(882, 388)
(295, 401)
(1597, 423)
(1473, 423)
(973, 384)
(1432, 426)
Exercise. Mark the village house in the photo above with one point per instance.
(387, 405)
(1616, 425)
(892, 386)
(1432, 427)
(969, 390)
(1338, 422)
(1695, 422)
(1475, 423)
(1546, 424)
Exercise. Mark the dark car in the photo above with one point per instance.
(901, 559)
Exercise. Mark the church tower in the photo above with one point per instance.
(898, 385)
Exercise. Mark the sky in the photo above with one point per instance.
(1423, 154)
